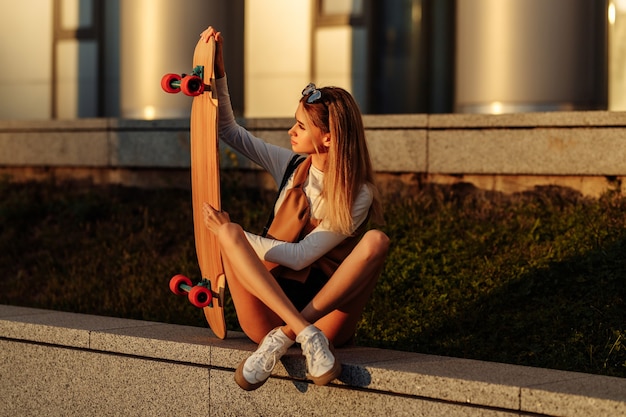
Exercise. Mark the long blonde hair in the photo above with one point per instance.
(348, 164)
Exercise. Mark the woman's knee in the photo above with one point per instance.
(375, 244)
(230, 234)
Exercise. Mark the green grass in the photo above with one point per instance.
(533, 279)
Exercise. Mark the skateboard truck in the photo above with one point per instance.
(190, 84)
(199, 295)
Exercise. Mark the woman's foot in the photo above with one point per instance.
(254, 371)
(321, 364)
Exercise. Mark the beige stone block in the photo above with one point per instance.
(528, 151)
(44, 380)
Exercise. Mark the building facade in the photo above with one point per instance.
(65, 59)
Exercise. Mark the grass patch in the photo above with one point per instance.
(534, 279)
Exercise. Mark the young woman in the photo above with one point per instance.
(309, 277)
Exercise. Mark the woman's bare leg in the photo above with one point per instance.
(255, 318)
(337, 308)
(250, 282)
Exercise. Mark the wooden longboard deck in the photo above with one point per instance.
(205, 184)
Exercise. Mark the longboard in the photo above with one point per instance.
(205, 184)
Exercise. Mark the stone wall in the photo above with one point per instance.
(585, 151)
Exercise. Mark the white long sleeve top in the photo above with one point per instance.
(275, 159)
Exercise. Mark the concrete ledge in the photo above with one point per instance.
(509, 153)
(71, 364)
(555, 143)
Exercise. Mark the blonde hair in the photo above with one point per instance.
(348, 165)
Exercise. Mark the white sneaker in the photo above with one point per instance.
(254, 371)
(321, 364)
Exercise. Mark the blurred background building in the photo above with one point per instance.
(66, 59)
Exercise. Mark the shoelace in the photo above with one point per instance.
(273, 347)
(314, 349)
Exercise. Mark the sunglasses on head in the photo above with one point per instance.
(312, 92)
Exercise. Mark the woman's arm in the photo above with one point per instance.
(316, 244)
(272, 158)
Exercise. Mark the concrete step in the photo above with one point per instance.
(59, 363)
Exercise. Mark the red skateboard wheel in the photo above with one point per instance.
(176, 282)
(168, 81)
(192, 85)
(200, 296)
